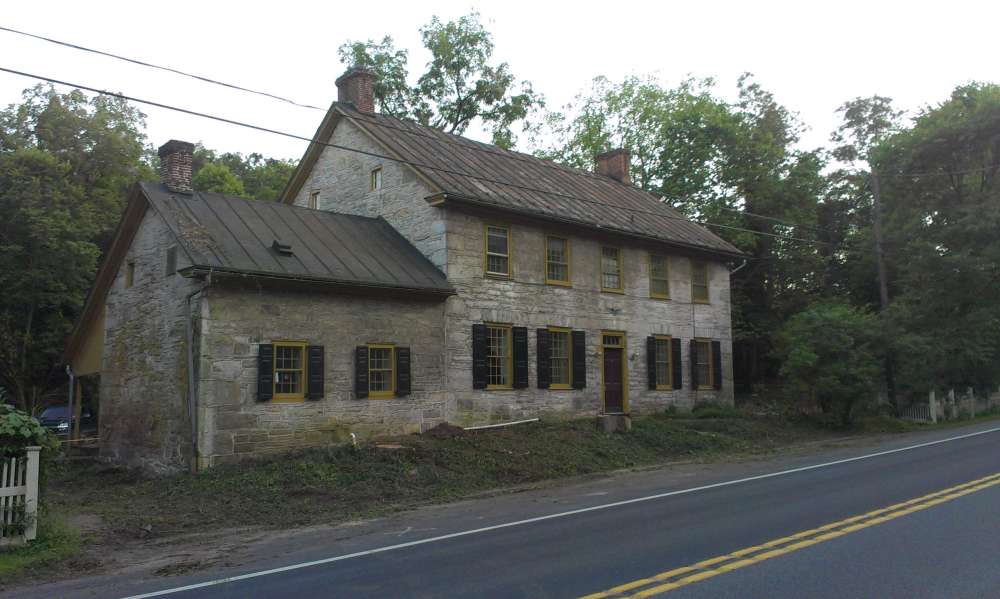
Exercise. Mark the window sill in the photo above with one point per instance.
(499, 387)
(496, 275)
(558, 283)
(704, 302)
(382, 395)
(659, 297)
(561, 387)
(288, 399)
(618, 291)
(668, 387)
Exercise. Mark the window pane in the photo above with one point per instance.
(610, 268)
(557, 259)
(659, 284)
(663, 362)
(560, 358)
(288, 357)
(380, 369)
(497, 241)
(497, 353)
(699, 281)
(704, 364)
(497, 264)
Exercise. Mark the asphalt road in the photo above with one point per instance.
(935, 545)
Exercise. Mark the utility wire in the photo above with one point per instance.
(159, 67)
(392, 158)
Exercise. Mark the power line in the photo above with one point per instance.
(159, 67)
(392, 158)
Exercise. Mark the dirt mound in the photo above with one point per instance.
(445, 431)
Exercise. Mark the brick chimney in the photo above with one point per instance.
(614, 164)
(175, 165)
(357, 86)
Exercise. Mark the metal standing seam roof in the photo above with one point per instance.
(232, 234)
(525, 183)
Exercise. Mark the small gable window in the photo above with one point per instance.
(699, 281)
(557, 261)
(376, 179)
(170, 267)
(497, 251)
(314, 200)
(129, 274)
(611, 269)
(659, 273)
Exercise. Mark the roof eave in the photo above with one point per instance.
(205, 270)
(445, 198)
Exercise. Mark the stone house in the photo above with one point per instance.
(406, 278)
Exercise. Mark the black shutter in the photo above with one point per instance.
(543, 350)
(579, 359)
(402, 371)
(265, 372)
(651, 362)
(479, 356)
(693, 356)
(315, 372)
(716, 365)
(520, 340)
(361, 372)
(675, 363)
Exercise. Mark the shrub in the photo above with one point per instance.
(19, 430)
(715, 410)
(828, 352)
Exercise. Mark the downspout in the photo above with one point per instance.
(72, 388)
(737, 269)
(192, 385)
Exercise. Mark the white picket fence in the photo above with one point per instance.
(951, 406)
(19, 498)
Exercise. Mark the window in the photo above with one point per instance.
(129, 273)
(497, 251)
(557, 261)
(171, 265)
(560, 359)
(381, 370)
(611, 269)
(289, 371)
(699, 281)
(498, 357)
(664, 367)
(314, 200)
(376, 182)
(659, 277)
(703, 365)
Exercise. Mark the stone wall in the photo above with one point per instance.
(143, 406)
(527, 301)
(235, 320)
(342, 179)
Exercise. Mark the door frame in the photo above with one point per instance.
(624, 347)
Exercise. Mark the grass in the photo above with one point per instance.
(342, 483)
(56, 541)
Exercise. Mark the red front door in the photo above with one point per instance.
(614, 392)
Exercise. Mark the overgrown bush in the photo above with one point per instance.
(828, 352)
(19, 430)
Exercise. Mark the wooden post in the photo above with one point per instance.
(31, 494)
(952, 408)
(932, 403)
(972, 403)
(77, 410)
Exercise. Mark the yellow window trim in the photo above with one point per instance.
(392, 365)
(509, 356)
(653, 294)
(669, 386)
(289, 397)
(486, 253)
(569, 358)
(621, 269)
(376, 172)
(569, 263)
(711, 369)
(621, 345)
(698, 300)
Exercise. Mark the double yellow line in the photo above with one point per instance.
(683, 576)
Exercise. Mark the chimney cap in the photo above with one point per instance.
(175, 145)
(352, 72)
(612, 153)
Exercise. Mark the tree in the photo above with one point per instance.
(217, 177)
(253, 176)
(47, 259)
(827, 352)
(459, 86)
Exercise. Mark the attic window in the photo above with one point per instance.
(171, 266)
(314, 200)
(129, 273)
(376, 183)
(284, 249)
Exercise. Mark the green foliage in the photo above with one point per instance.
(828, 353)
(716, 410)
(19, 430)
(218, 178)
(459, 85)
(57, 541)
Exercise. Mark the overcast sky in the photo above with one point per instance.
(812, 55)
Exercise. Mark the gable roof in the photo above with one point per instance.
(469, 172)
(228, 234)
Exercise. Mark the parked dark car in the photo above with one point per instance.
(57, 420)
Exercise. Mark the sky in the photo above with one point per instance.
(812, 55)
